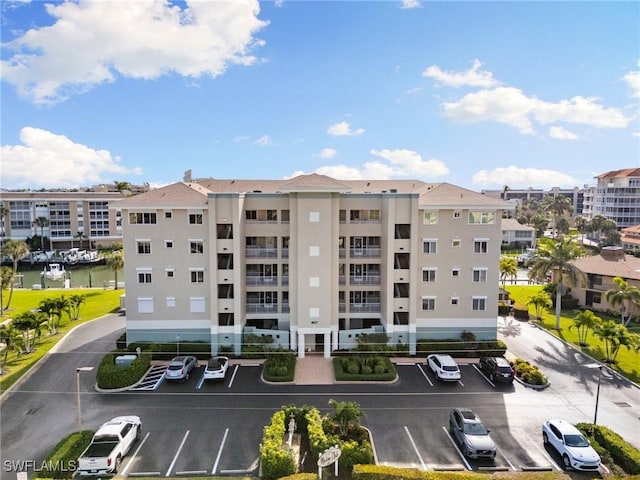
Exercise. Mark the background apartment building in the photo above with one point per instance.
(311, 261)
(616, 196)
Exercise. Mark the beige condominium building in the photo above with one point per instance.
(311, 261)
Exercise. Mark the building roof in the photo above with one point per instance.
(446, 195)
(176, 194)
(625, 172)
(625, 266)
(513, 225)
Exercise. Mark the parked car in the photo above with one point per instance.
(181, 367)
(497, 369)
(216, 368)
(471, 434)
(111, 442)
(571, 445)
(444, 367)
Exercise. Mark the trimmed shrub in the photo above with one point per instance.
(276, 460)
(623, 453)
(280, 366)
(461, 349)
(110, 376)
(166, 351)
(366, 368)
(528, 373)
(61, 462)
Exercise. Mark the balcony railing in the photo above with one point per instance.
(342, 307)
(285, 252)
(261, 280)
(342, 252)
(285, 308)
(368, 252)
(364, 307)
(261, 252)
(285, 279)
(364, 280)
(262, 307)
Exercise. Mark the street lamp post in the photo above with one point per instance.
(78, 370)
(595, 415)
(177, 345)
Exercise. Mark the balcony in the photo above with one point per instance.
(364, 280)
(262, 307)
(253, 280)
(285, 252)
(261, 252)
(368, 307)
(285, 308)
(365, 252)
(342, 307)
(285, 280)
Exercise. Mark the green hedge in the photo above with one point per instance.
(166, 351)
(276, 460)
(280, 366)
(623, 453)
(110, 376)
(528, 373)
(462, 349)
(380, 472)
(62, 461)
(363, 368)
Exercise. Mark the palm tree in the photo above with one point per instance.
(48, 307)
(115, 261)
(4, 211)
(585, 321)
(508, 268)
(15, 250)
(555, 257)
(11, 339)
(28, 324)
(582, 225)
(40, 223)
(6, 279)
(556, 205)
(73, 306)
(624, 295)
(345, 414)
(596, 225)
(615, 335)
(540, 301)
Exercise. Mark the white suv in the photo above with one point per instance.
(575, 450)
(444, 367)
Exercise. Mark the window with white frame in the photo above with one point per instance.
(197, 276)
(481, 218)
(428, 303)
(455, 301)
(314, 217)
(480, 275)
(428, 274)
(456, 243)
(196, 246)
(479, 304)
(171, 302)
(429, 246)
(430, 217)
(169, 273)
(455, 272)
(480, 245)
(457, 214)
(168, 243)
(144, 277)
(195, 219)
(142, 218)
(143, 247)
(167, 214)
(145, 305)
(197, 305)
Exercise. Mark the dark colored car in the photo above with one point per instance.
(497, 369)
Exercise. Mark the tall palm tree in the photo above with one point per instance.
(585, 321)
(540, 301)
(15, 250)
(29, 324)
(556, 205)
(555, 257)
(40, 223)
(508, 269)
(115, 261)
(6, 279)
(10, 336)
(624, 295)
(345, 414)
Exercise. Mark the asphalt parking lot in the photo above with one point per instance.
(211, 433)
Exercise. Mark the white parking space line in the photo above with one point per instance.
(542, 450)
(233, 376)
(175, 457)
(455, 445)
(224, 439)
(424, 373)
(483, 375)
(505, 457)
(124, 471)
(415, 448)
(200, 382)
(192, 472)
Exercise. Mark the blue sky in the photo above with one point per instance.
(478, 94)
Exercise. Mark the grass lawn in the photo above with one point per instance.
(98, 302)
(628, 361)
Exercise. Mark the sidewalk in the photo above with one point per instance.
(314, 370)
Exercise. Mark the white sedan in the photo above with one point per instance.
(573, 447)
(216, 368)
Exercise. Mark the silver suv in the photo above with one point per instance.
(471, 434)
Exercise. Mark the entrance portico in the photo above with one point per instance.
(306, 340)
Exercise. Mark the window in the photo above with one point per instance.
(144, 247)
(142, 218)
(224, 231)
(454, 301)
(457, 214)
(197, 276)
(480, 246)
(197, 305)
(400, 290)
(314, 251)
(480, 275)
(314, 217)
(429, 275)
(225, 319)
(196, 246)
(479, 304)
(251, 215)
(195, 219)
(225, 261)
(342, 216)
(428, 303)
(169, 273)
(167, 215)
(455, 272)
(144, 277)
(429, 246)
(168, 243)
(285, 216)
(171, 302)
(272, 215)
(145, 305)
(481, 218)
(456, 243)
(402, 231)
(430, 217)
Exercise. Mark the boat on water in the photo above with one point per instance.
(54, 271)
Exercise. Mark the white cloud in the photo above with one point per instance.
(56, 161)
(327, 153)
(562, 134)
(633, 80)
(341, 129)
(517, 177)
(511, 106)
(410, 4)
(469, 78)
(407, 163)
(92, 42)
(264, 141)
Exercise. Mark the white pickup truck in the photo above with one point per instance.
(109, 445)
